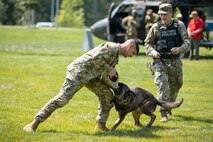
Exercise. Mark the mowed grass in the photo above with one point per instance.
(32, 70)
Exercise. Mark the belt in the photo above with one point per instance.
(168, 56)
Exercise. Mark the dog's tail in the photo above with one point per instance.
(170, 105)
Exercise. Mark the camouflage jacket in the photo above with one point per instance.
(95, 63)
(131, 24)
(153, 34)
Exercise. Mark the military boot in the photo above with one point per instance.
(164, 117)
(31, 127)
(101, 126)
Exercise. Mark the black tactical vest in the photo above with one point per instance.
(169, 37)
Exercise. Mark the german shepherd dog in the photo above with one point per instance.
(137, 101)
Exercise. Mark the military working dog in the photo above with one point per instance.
(138, 101)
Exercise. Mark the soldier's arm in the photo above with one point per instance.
(136, 22)
(156, 17)
(184, 48)
(150, 42)
(145, 19)
(124, 23)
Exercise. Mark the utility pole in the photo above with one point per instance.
(95, 10)
(52, 11)
(57, 8)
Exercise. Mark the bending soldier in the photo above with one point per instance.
(92, 70)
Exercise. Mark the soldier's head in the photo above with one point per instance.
(134, 12)
(179, 16)
(194, 15)
(149, 12)
(165, 12)
(129, 48)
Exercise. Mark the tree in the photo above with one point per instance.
(96, 10)
(71, 13)
(3, 9)
(28, 9)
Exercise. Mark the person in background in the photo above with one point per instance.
(130, 24)
(180, 18)
(150, 19)
(194, 29)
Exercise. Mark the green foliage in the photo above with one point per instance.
(96, 10)
(33, 67)
(3, 8)
(176, 12)
(71, 13)
(18, 11)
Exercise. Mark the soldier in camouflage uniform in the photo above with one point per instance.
(150, 19)
(130, 24)
(165, 41)
(92, 70)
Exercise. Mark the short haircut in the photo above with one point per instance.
(137, 46)
(136, 43)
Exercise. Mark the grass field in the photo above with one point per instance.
(32, 69)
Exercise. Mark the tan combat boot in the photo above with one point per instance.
(101, 126)
(163, 116)
(31, 127)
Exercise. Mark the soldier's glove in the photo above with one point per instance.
(155, 54)
(111, 82)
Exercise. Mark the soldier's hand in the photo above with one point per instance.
(155, 54)
(175, 50)
(113, 73)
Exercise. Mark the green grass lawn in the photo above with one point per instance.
(33, 67)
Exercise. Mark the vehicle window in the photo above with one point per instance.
(121, 9)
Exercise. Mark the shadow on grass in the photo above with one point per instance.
(134, 133)
(206, 57)
(189, 118)
(137, 133)
(50, 131)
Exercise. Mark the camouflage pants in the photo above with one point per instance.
(105, 96)
(168, 79)
(69, 88)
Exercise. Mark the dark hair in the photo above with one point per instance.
(137, 43)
